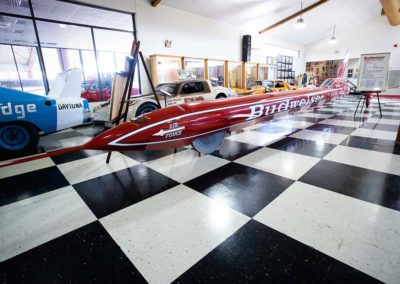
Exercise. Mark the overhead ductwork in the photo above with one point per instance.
(392, 11)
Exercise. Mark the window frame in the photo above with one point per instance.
(37, 35)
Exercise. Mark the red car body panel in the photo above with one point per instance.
(177, 126)
(93, 93)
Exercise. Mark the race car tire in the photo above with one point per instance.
(17, 138)
(146, 108)
(221, 96)
(208, 144)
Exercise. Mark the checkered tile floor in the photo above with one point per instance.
(313, 197)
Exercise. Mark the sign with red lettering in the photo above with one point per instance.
(374, 72)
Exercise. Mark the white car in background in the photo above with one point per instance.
(178, 92)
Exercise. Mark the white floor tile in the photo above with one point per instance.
(166, 234)
(37, 220)
(383, 121)
(315, 115)
(287, 164)
(186, 165)
(25, 167)
(320, 136)
(363, 235)
(395, 113)
(391, 107)
(95, 166)
(357, 115)
(338, 110)
(257, 138)
(251, 127)
(347, 123)
(374, 133)
(292, 123)
(377, 161)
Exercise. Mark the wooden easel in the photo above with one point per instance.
(132, 62)
(363, 98)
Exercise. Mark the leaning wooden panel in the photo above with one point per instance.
(117, 95)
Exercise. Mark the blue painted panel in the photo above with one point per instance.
(20, 106)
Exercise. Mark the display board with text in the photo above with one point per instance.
(374, 72)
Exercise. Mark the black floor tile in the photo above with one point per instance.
(302, 146)
(61, 135)
(380, 145)
(16, 188)
(372, 186)
(259, 254)
(107, 194)
(332, 128)
(232, 150)
(380, 126)
(69, 157)
(145, 156)
(34, 151)
(86, 255)
(243, 188)
(90, 130)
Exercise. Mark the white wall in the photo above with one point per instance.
(374, 36)
(191, 35)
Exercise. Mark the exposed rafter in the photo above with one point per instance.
(154, 3)
(391, 8)
(301, 12)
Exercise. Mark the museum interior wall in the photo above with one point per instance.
(373, 36)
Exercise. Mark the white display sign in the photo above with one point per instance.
(374, 72)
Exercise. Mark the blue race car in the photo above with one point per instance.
(23, 116)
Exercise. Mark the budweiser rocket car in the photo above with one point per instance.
(202, 124)
(23, 116)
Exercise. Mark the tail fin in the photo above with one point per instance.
(67, 84)
(342, 68)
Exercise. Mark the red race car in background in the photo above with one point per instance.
(93, 91)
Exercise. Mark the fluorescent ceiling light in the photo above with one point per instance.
(300, 24)
(333, 40)
(62, 25)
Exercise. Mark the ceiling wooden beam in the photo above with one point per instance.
(391, 8)
(154, 3)
(301, 12)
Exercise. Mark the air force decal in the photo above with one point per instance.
(173, 131)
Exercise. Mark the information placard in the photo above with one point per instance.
(374, 72)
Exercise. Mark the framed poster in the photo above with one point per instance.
(374, 72)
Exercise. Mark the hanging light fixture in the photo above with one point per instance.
(333, 40)
(300, 24)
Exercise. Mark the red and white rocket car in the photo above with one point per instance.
(204, 124)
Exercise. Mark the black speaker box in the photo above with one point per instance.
(246, 48)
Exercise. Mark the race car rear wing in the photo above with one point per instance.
(67, 84)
